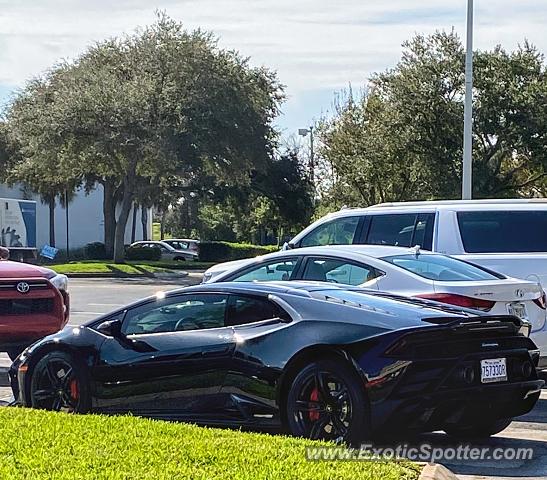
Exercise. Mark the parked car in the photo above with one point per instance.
(184, 244)
(506, 236)
(168, 253)
(325, 361)
(34, 302)
(401, 271)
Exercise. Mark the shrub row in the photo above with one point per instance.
(143, 253)
(226, 251)
(208, 252)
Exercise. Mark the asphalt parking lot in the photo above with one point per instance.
(93, 297)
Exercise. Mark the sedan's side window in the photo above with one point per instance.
(272, 271)
(339, 271)
(243, 309)
(336, 232)
(185, 312)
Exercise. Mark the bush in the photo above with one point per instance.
(226, 251)
(143, 253)
(95, 251)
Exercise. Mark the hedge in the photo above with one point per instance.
(227, 251)
(143, 253)
(95, 251)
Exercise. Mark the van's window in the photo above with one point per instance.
(340, 231)
(441, 268)
(505, 232)
(395, 230)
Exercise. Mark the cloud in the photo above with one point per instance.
(315, 45)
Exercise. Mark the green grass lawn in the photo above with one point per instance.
(43, 445)
(127, 268)
(91, 266)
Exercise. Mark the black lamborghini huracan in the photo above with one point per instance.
(323, 361)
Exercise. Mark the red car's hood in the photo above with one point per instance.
(23, 270)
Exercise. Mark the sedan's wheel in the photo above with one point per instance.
(481, 430)
(58, 383)
(327, 402)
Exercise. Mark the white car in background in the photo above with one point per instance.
(184, 244)
(506, 235)
(401, 271)
(168, 253)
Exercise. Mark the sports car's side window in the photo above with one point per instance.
(273, 271)
(336, 232)
(339, 271)
(243, 309)
(185, 312)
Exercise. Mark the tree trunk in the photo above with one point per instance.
(121, 224)
(162, 225)
(51, 205)
(109, 213)
(144, 222)
(134, 223)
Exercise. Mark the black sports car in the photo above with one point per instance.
(321, 360)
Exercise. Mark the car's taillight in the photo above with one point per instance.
(541, 302)
(459, 300)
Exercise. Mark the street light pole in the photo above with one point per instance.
(304, 132)
(467, 174)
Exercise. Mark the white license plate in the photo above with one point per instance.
(493, 370)
(518, 310)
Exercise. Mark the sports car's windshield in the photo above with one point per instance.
(441, 267)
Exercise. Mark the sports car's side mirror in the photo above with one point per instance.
(111, 328)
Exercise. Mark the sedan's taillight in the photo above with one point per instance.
(459, 300)
(541, 302)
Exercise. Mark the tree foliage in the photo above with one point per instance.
(402, 139)
(145, 115)
(277, 200)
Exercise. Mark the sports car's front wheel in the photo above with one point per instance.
(59, 383)
(327, 401)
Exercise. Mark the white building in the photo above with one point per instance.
(85, 219)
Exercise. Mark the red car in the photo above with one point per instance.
(34, 302)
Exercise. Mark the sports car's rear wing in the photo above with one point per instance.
(483, 323)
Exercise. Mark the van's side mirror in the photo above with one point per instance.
(111, 328)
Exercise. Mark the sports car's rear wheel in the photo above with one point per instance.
(481, 430)
(59, 383)
(327, 402)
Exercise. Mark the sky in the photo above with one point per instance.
(318, 47)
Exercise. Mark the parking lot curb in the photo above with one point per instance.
(434, 471)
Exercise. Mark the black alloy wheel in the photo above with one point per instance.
(327, 401)
(58, 383)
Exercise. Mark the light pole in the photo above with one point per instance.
(467, 174)
(303, 132)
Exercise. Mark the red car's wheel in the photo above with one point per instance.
(59, 383)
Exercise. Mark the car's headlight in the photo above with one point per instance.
(60, 281)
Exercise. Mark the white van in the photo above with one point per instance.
(506, 236)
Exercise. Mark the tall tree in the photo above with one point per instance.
(161, 103)
(402, 139)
